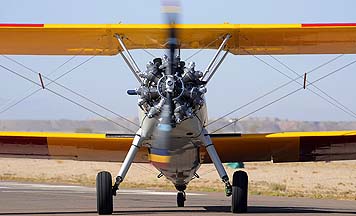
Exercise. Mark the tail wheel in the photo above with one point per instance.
(104, 195)
(180, 199)
(239, 192)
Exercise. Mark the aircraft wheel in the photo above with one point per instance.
(239, 192)
(180, 199)
(104, 195)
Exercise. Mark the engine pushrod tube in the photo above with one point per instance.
(221, 47)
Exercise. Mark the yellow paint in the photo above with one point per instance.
(257, 147)
(91, 147)
(159, 158)
(269, 26)
(284, 147)
(98, 39)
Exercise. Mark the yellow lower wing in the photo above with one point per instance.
(89, 147)
(278, 147)
(287, 146)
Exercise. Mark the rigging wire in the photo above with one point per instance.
(274, 90)
(191, 56)
(340, 106)
(145, 50)
(32, 87)
(149, 53)
(319, 89)
(34, 92)
(201, 49)
(66, 98)
(284, 96)
(66, 88)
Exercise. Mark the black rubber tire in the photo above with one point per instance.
(104, 197)
(239, 192)
(180, 199)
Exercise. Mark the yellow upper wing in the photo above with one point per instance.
(92, 39)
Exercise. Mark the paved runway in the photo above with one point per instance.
(40, 199)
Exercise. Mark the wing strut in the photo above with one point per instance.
(217, 66)
(129, 60)
(213, 61)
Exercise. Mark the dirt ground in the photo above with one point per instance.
(317, 180)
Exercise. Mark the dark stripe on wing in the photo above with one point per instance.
(18, 145)
(327, 148)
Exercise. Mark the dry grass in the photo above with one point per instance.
(334, 180)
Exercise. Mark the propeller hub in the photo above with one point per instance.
(172, 85)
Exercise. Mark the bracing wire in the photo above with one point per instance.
(201, 49)
(274, 90)
(289, 77)
(319, 89)
(18, 99)
(285, 96)
(66, 98)
(66, 88)
(145, 50)
(35, 91)
(336, 103)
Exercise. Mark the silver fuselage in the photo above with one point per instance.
(184, 158)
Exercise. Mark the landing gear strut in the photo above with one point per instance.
(209, 146)
(239, 192)
(105, 190)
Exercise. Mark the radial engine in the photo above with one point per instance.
(184, 89)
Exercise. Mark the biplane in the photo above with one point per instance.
(172, 132)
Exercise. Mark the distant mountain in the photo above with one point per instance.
(250, 125)
(260, 125)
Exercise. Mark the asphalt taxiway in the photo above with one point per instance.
(41, 199)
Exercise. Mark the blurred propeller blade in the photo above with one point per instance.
(171, 11)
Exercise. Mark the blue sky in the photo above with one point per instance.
(239, 80)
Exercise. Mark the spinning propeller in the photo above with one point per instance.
(169, 85)
(171, 91)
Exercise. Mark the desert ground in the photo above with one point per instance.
(336, 180)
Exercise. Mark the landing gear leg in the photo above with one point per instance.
(104, 188)
(136, 145)
(216, 160)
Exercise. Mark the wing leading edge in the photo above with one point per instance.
(247, 39)
(286, 147)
